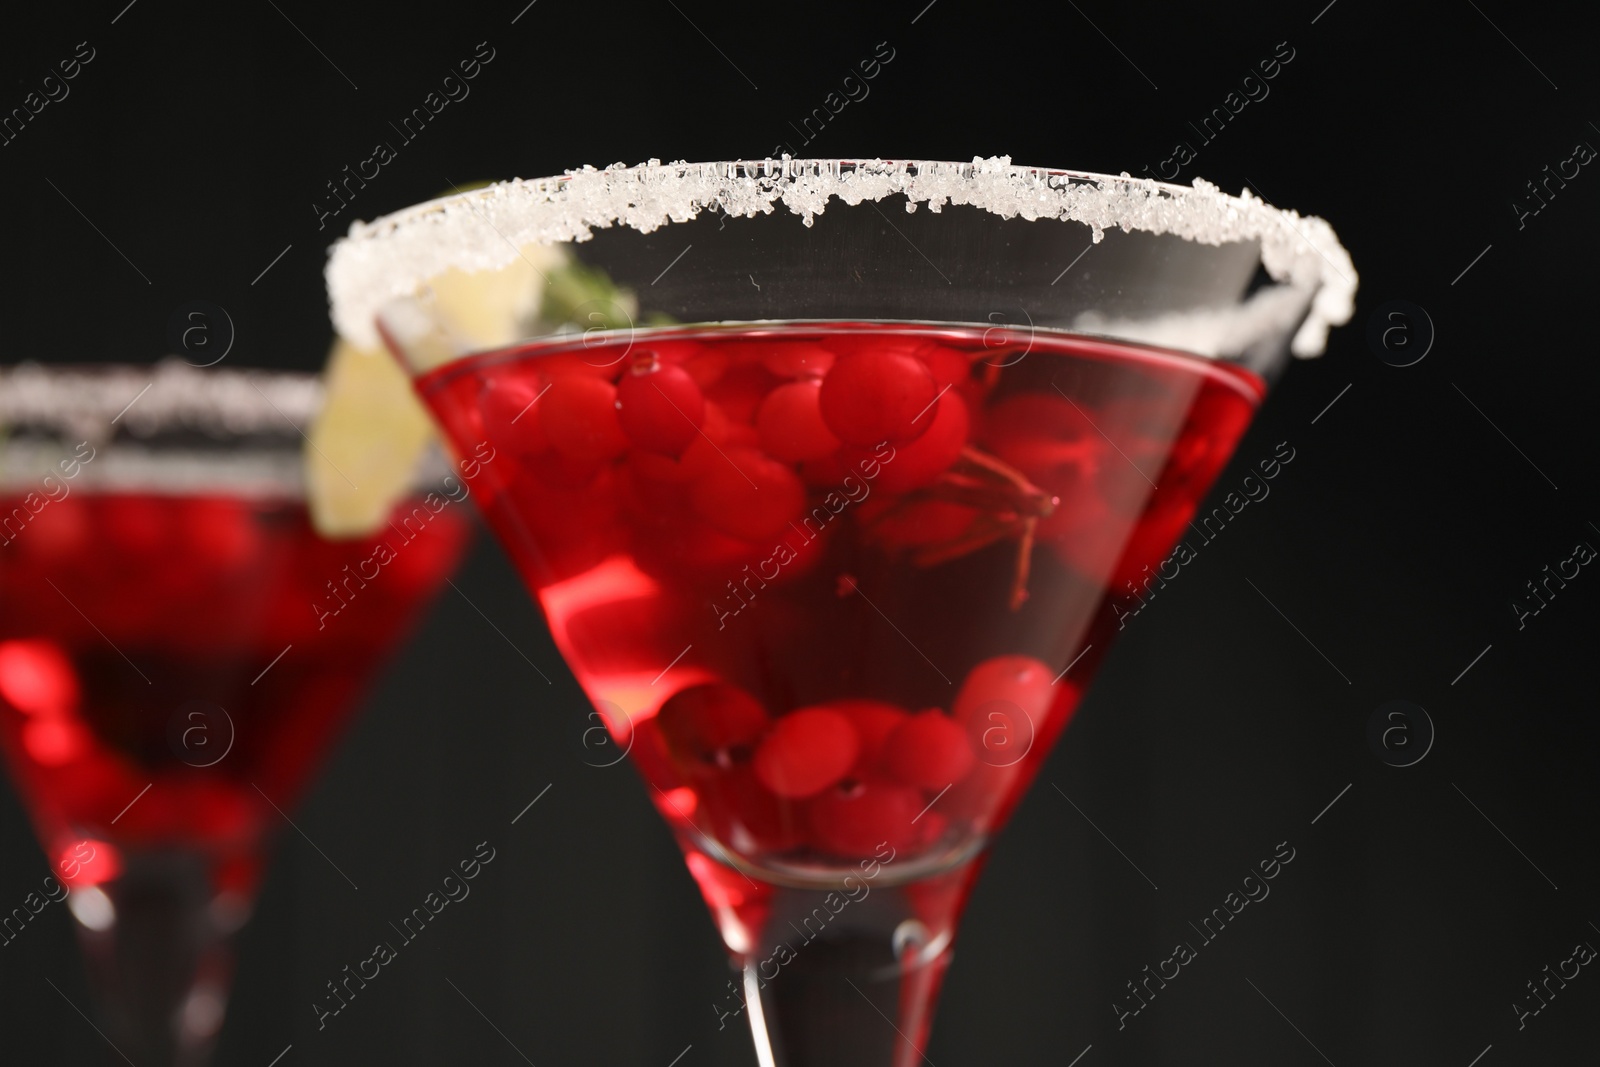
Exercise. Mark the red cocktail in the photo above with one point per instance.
(842, 584)
(825, 473)
(190, 652)
(179, 649)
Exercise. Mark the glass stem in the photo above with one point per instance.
(849, 977)
(160, 958)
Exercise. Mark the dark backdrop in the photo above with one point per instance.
(186, 162)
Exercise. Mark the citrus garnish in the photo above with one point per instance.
(365, 443)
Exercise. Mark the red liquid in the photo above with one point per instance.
(825, 580)
(128, 620)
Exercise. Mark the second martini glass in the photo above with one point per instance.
(178, 651)
(829, 519)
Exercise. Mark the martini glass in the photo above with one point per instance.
(178, 649)
(831, 478)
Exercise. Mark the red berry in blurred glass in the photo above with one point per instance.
(874, 721)
(703, 720)
(747, 494)
(929, 750)
(580, 417)
(857, 821)
(1022, 680)
(805, 752)
(511, 414)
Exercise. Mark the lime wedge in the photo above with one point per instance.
(365, 443)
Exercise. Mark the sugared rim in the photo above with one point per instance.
(166, 428)
(95, 419)
(98, 400)
(484, 229)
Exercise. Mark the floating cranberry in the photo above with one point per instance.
(748, 494)
(1003, 703)
(660, 408)
(511, 414)
(874, 396)
(580, 417)
(874, 721)
(791, 425)
(703, 720)
(705, 365)
(854, 822)
(1022, 679)
(920, 462)
(947, 366)
(798, 360)
(741, 389)
(806, 752)
(929, 750)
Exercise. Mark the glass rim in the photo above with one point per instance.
(147, 399)
(487, 228)
(230, 431)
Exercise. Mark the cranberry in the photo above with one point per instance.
(660, 408)
(1020, 689)
(947, 366)
(873, 396)
(929, 750)
(1023, 679)
(920, 462)
(874, 721)
(791, 425)
(806, 752)
(741, 389)
(855, 822)
(703, 720)
(705, 365)
(798, 360)
(511, 415)
(580, 417)
(748, 495)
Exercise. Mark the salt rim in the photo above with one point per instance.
(484, 229)
(93, 401)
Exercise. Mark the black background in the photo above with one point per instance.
(188, 156)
